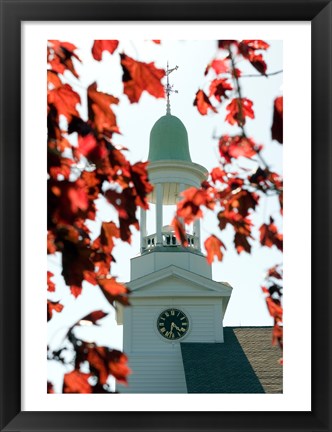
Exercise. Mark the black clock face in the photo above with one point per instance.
(173, 324)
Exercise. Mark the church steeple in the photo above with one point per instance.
(171, 171)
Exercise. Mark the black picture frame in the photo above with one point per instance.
(13, 12)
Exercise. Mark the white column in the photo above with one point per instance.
(197, 232)
(159, 212)
(143, 227)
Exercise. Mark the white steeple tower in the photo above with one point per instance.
(174, 299)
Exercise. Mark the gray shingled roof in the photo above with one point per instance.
(245, 363)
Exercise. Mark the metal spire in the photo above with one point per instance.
(169, 88)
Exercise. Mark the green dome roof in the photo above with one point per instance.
(169, 140)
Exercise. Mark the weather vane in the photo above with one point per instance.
(169, 88)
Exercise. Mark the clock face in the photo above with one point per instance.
(173, 324)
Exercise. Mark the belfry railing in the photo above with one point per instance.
(169, 240)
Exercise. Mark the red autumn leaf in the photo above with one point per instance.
(239, 109)
(180, 232)
(218, 88)
(277, 125)
(58, 165)
(241, 243)
(242, 227)
(256, 44)
(139, 176)
(76, 382)
(213, 247)
(237, 146)
(274, 307)
(53, 306)
(274, 272)
(243, 201)
(113, 290)
(218, 65)
(189, 206)
(64, 99)
(93, 317)
(50, 388)
(100, 112)
(277, 335)
(105, 241)
(67, 200)
(51, 247)
(270, 236)
(77, 266)
(53, 80)
(50, 284)
(203, 103)
(139, 76)
(225, 44)
(248, 49)
(124, 203)
(156, 41)
(105, 362)
(265, 290)
(218, 174)
(99, 46)
(59, 56)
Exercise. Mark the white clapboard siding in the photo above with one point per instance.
(156, 374)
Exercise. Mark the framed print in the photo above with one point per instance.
(178, 311)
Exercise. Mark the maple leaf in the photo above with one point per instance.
(277, 125)
(241, 243)
(274, 307)
(277, 335)
(100, 112)
(124, 203)
(105, 362)
(99, 46)
(270, 236)
(225, 44)
(218, 65)
(59, 56)
(139, 176)
(203, 103)
(53, 306)
(248, 49)
(113, 290)
(180, 232)
(139, 76)
(51, 248)
(76, 382)
(105, 241)
(243, 201)
(274, 272)
(189, 206)
(50, 388)
(237, 146)
(64, 99)
(218, 88)
(242, 226)
(93, 317)
(58, 165)
(50, 284)
(67, 201)
(76, 266)
(218, 174)
(213, 247)
(239, 109)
